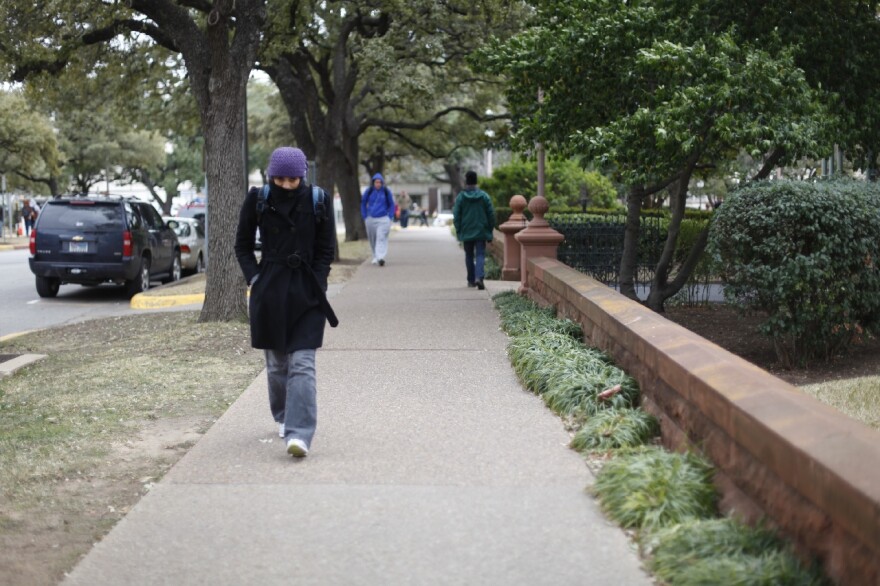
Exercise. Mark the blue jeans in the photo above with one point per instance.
(293, 392)
(475, 263)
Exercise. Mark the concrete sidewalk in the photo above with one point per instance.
(431, 465)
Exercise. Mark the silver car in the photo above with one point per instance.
(191, 234)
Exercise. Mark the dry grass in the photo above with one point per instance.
(101, 381)
(858, 398)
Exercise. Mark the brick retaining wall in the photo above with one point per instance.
(779, 453)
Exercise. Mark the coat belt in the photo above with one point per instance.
(295, 261)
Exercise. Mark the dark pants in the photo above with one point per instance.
(404, 218)
(475, 259)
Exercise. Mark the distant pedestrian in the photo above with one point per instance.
(403, 203)
(421, 214)
(29, 213)
(377, 210)
(288, 303)
(474, 219)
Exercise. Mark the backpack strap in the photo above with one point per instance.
(262, 201)
(318, 202)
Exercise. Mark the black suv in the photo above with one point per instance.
(94, 240)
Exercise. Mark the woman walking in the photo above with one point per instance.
(288, 304)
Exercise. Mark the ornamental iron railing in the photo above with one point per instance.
(594, 245)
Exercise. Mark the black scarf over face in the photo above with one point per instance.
(280, 194)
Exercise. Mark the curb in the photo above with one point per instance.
(8, 337)
(144, 301)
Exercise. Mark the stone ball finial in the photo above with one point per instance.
(539, 206)
(518, 204)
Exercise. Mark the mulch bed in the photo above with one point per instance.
(738, 334)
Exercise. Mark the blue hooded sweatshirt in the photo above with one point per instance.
(375, 204)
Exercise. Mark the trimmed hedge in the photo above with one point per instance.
(807, 254)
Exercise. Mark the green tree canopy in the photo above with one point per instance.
(655, 91)
(566, 183)
(344, 69)
(28, 147)
(216, 42)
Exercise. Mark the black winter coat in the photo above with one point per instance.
(286, 301)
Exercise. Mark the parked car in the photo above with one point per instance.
(191, 235)
(95, 240)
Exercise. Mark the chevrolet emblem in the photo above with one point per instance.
(77, 239)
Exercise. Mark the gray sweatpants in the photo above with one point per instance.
(377, 231)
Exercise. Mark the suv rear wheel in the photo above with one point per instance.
(141, 282)
(47, 286)
(175, 269)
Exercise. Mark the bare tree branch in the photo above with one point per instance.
(388, 124)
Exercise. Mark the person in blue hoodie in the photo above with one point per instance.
(377, 210)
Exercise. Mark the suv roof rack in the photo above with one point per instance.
(102, 197)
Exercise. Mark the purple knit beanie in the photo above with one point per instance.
(287, 162)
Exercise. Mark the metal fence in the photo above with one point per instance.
(594, 245)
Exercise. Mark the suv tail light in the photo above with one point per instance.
(126, 243)
(32, 242)
(184, 249)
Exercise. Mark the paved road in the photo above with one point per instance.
(431, 465)
(22, 309)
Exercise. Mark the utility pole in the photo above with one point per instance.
(540, 149)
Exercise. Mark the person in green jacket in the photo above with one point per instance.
(474, 220)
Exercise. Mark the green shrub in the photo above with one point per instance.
(576, 391)
(616, 428)
(650, 488)
(807, 254)
(724, 551)
(492, 269)
(564, 181)
(520, 316)
(550, 360)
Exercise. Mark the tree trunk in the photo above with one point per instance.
(660, 291)
(54, 187)
(227, 185)
(456, 184)
(630, 258)
(350, 190)
(219, 66)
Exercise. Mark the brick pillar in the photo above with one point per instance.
(538, 239)
(510, 271)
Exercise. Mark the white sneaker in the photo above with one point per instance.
(281, 430)
(374, 262)
(297, 448)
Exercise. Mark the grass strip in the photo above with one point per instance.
(613, 429)
(649, 487)
(724, 551)
(668, 497)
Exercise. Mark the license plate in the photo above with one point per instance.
(79, 247)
